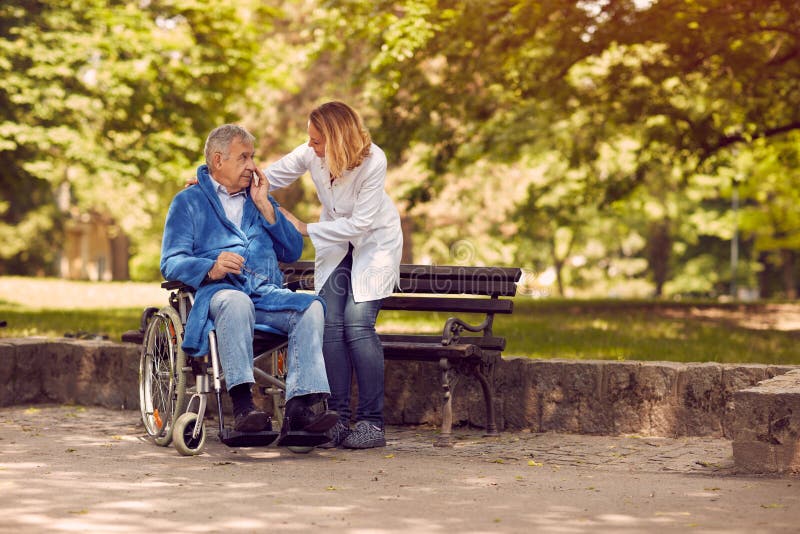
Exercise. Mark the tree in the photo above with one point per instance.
(683, 80)
(110, 102)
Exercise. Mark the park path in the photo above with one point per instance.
(70, 468)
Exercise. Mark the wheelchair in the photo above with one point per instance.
(174, 389)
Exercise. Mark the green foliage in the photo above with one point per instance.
(105, 107)
(602, 141)
(615, 109)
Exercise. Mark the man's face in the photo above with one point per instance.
(235, 172)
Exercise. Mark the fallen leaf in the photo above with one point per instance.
(389, 456)
(533, 463)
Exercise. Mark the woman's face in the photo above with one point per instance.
(316, 141)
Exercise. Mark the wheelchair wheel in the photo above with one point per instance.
(162, 380)
(182, 435)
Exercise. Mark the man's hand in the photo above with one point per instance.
(259, 192)
(297, 223)
(227, 262)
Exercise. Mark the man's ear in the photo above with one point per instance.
(216, 160)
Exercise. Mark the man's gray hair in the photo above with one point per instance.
(221, 137)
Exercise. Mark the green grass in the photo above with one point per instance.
(630, 332)
(25, 322)
(624, 330)
(609, 330)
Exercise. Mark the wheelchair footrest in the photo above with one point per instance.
(300, 438)
(232, 438)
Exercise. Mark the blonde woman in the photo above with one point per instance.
(358, 244)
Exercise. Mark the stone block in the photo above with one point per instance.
(640, 397)
(8, 359)
(566, 395)
(701, 399)
(766, 429)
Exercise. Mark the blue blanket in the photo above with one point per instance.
(197, 230)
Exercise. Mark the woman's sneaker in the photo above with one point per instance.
(365, 435)
(337, 433)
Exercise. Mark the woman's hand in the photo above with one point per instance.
(259, 192)
(297, 223)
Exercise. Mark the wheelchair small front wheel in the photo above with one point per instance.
(182, 438)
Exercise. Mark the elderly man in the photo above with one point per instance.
(225, 237)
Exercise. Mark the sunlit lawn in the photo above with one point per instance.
(24, 322)
(537, 329)
(621, 330)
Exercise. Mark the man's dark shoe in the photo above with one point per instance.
(251, 420)
(299, 415)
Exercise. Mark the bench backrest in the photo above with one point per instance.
(418, 284)
(429, 279)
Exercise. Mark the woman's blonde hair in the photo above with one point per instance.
(347, 141)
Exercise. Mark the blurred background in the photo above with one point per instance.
(611, 148)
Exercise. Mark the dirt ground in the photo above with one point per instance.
(77, 469)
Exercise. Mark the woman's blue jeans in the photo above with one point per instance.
(234, 319)
(350, 345)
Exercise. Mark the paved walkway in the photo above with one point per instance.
(75, 469)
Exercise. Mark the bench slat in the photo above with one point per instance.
(486, 343)
(435, 286)
(445, 304)
(427, 352)
(455, 286)
(302, 269)
(440, 279)
(408, 270)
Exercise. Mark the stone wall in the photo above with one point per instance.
(588, 397)
(583, 397)
(91, 373)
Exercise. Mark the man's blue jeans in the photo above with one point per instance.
(234, 319)
(351, 344)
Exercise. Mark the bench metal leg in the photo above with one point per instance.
(446, 436)
(488, 399)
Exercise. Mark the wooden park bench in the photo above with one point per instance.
(463, 347)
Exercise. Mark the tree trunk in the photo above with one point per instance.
(788, 273)
(659, 250)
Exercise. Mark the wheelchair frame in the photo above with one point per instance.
(172, 410)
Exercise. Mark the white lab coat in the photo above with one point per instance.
(355, 209)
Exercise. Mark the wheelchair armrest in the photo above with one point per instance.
(176, 284)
